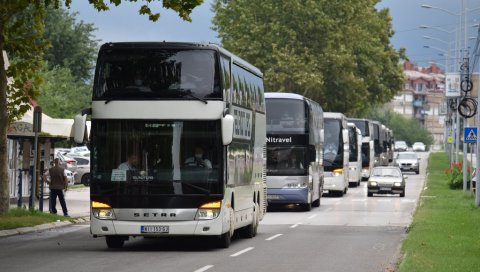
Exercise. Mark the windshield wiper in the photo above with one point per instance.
(332, 162)
(188, 92)
(207, 192)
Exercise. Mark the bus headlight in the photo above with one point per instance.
(102, 211)
(337, 172)
(296, 185)
(365, 170)
(209, 211)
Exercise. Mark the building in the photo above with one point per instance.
(422, 98)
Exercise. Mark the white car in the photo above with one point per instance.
(418, 146)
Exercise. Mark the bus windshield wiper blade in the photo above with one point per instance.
(188, 92)
(332, 162)
(207, 192)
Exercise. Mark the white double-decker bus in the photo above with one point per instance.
(294, 150)
(177, 143)
(368, 151)
(335, 153)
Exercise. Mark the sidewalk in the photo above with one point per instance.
(78, 205)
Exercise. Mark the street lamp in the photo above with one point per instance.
(439, 8)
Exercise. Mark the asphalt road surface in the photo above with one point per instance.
(351, 233)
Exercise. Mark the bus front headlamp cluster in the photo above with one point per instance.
(365, 170)
(337, 172)
(209, 211)
(102, 211)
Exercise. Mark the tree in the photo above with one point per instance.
(62, 95)
(404, 129)
(21, 35)
(336, 52)
(72, 43)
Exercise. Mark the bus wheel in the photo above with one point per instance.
(250, 231)
(316, 203)
(115, 241)
(307, 206)
(224, 240)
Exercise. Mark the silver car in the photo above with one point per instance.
(83, 169)
(418, 146)
(386, 180)
(408, 161)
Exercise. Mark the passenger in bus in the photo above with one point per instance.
(130, 164)
(293, 162)
(198, 159)
(139, 83)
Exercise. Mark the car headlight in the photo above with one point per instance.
(373, 183)
(102, 211)
(208, 211)
(337, 172)
(365, 170)
(398, 184)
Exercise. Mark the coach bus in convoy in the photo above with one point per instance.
(355, 155)
(177, 143)
(294, 150)
(368, 152)
(335, 153)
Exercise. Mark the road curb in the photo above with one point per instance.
(43, 227)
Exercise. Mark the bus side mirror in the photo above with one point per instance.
(227, 129)
(79, 125)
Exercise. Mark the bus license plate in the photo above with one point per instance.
(154, 229)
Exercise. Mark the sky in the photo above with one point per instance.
(123, 23)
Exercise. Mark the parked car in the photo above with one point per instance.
(418, 146)
(408, 161)
(80, 151)
(400, 146)
(386, 180)
(83, 169)
(66, 161)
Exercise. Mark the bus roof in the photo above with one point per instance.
(334, 115)
(186, 45)
(285, 95)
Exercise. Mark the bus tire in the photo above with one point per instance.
(115, 241)
(316, 203)
(307, 207)
(224, 240)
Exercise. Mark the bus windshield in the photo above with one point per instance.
(287, 161)
(157, 157)
(333, 145)
(363, 126)
(286, 115)
(365, 154)
(146, 73)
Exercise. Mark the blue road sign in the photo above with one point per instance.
(470, 135)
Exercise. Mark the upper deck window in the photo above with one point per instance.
(146, 73)
(286, 115)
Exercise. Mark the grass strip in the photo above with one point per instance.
(18, 218)
(445, 233)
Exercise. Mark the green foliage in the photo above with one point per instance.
(323, 49)
(18, 218)
(404, 129)
(63, 95)
(455, 175)
(444, 232)
(72, 43)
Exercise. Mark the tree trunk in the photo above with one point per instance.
(4, 182)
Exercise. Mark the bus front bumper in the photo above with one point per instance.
(287, 196)
(334, 183)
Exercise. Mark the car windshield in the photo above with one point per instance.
(400, 144)
(386, 172)
(407, 156)
(419, 144)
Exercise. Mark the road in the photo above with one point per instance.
(352, 233)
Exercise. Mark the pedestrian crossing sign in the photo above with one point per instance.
(470, 135)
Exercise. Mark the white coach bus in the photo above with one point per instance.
(294, 150)
(368, 151)
(335, 153)
(355, 156)
(177, 143)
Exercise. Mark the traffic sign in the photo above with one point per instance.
(450, 139)
(470, 135)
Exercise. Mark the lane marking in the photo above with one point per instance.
(273, 237)
(312, 216)
(205, 268)
(296, 225)
(241, 252)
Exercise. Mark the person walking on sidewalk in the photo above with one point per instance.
(58, 182)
